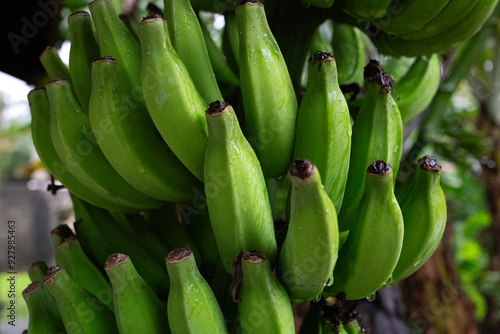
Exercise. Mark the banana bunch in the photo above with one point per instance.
(196, 170)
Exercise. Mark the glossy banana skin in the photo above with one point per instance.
(40, 132)
(137, 307)
(323, 132)
(37, 270)
(268, 94)
(377, 134)
(53, 64)
(310, 250)
(264, 306)
(371, 252)
(187, 38)
(365, 10)
(349, 52)
(441, 41)
(84, 50)
(237, 199)
(423, 205)
(81, 312)
(44, 316)
(418, 86)
(132, 147)
(191, 306)
(76, 146)
(173, 101)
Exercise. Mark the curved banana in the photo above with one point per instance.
(187, 39)
(350, 53)
(453, 12)
(442, 41)
(267, 91)
(40, 133)
(372, 249)
(137, 307)
(44, 316)
(263, 306)
(237, 199)
(84, 272)
(377, 134)
(134, 150)
(309, 252)
(37, 270)
(191, 305)
(76, 146)
(84, 50)
(423, 205)
(176, 107)
(418, 86)
(53, 64)
(80, 311)
(365, 10)
(323, 131)
(411, 16)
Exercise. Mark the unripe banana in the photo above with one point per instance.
(187, 39)
(84, 273)
(365, 10)
(323, 133)
(58, 235)
(267, 90)
(263, 306)
(53, 64)
(423, 205)
(37, 270)
(40, 132)
(130, 143)
(176, 107)
(372, 249)
(231, 42)
(81, 311)
(76, 146)
(191, 305)
(237, 199)
(137, 307)
(309, 252)
(377, 134)
(84, 50)
(44, 316)
(349, 51)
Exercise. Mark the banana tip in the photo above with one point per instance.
(31, 288)
(302, 169)
(51, 274)
(379, 168)
(115, 260)
(217, 108)
(179, 254)
(430, 164)
(373, 73)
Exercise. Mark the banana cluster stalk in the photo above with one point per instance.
(206, 187)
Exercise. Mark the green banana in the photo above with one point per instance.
(349, 51)
(365, 10)
(80, 311)
(371, 252)
(417, 87)
(411, 15)
(191, 305)
(187, 39)
(84, 272)
(116, 40)
(423, 205)
(319, 43)
(76, 145)
(318, 3)
(53, 64)
(236, 193)
(37, 270)
(377, 134)
(137, 307)
(58, 235)
(396, 66)
(442, 41)
(134, 150)
(310, 250)
(96, 221)
(231, 42)
(353, 327)
(44, 316)
(323, 132)
(222, 70)
(40, 132)
(267, 91)
(453, 12)
(263, 305)
(176, 107)
(84, 50)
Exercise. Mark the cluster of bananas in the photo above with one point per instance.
(154, 158)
